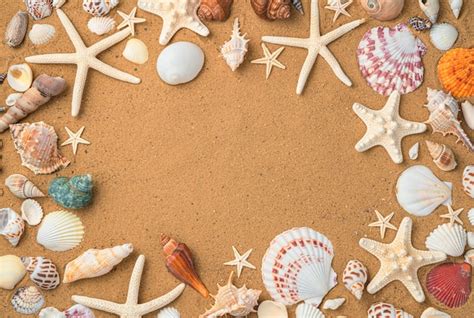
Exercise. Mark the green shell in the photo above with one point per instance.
(74, 193)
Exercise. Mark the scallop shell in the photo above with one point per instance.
(413, 152)
(434, 313)
(272, 9)
(470, 216)
(20, 77)
(16, 29)
(455, 69)
(99, 8)
(355, 277)
(443, 36)
(12, 98)
(27, 300)
(469, 257)
(384, 310)
(456, 6)
(447, 238)
(333, 304)
(42, 271)
(41, 33)
(234, 50)
(308, 311)
(310, 252)
(31, 212)
(390, 59)
(12, 271)
(22, 188)
(51, 312)
(79, 311)
(468, 180)
(271, 309)
(419, 192)
(470, 239)
(169, 312)
(101, 25)
(438, 99)
(442, 156)
(60, 231)
(135, 51)
(430, 8)
(39, 9)
(12, 225)
(468, 113)
(419, 24)
(383, 10)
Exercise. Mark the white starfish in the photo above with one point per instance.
(339, 8)
(129, 20)
(240, 261)
(270, 59)
(75, 139)
(383, 222)
(176, 15)
(131, 308)
(84, 58)
(453, 216)
(386, 128)
(316, 45)
(400, 261)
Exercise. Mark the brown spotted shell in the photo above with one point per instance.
(214, 10)
(272, 9)
(42, 271)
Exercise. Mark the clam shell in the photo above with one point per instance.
(12, 225)
(60, 231)
(180, 63)
(41, 33)
(308, 311)
(430, 8)
(272, 309)
(39, 9)
(455, 69)
(447, 238)
(468, 113)
(470, 216)
(333, 304)
(169, 312)
(234, 50)
(16, 29)
(31, 212)
(79, 311)
(413, 152)
(101, 25)
(43, 272)
(27, 300)
(51, 312)
(469, 257)
(383, 10)
(20, 77)
(135, 51)
(99, 8)
(12, 98)
(22, 188)
(11, 271)
(443, 36)
(434, 313)
(468, 180)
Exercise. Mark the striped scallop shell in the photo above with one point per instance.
(447, 238)
(60, 231)
(41, 33)
(101, 25)
(42, 271)
(27, 300)
(390, 59)
(455, 69)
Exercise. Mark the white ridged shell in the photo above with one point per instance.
(31, 212)
(22, 188)
(434, 313)
(443, 36)
(101, 25)
(135, 51)
(470, 215)
(308, 311)
(438, 99)
(20, 77)
(234, 50)
(468, 113)
(272, 309)
(41, 33)
(447, 238)
(60, 231)
(456, 6)
(169, 312)
(27, 300)
(11, 271)
(51, 312)
(468, 180)
(180, 63)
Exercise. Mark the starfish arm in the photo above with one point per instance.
(167, 31)
(340, 31)
(282, 40)
(58, 58)
(373, 247)
(162, 301)
(198, 27)
(380, 280)
(71, 31)
(113, 72)
(108, 42)
(134, 285)
(78, 90)
(335, 66)
(413, 286)
(279, 64)
(99, 304)
(249, 265)
(306, 69)
(404, 230)
(262, 60)
(314, 22)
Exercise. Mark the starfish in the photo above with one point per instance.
(240, 261)
(453, 216)
(131, 308)
(129, 20)
(316, 44)
(384, 223)
(176, 15)
(75, 139)
(270, 59)
(386, 128)
(84, 58)
(339, 8)
(400, 261)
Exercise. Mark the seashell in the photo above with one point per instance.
(58, 3)
(390, 59)
(419, 24)
(136, 51)
(169, 312)
(468, 180)
(272, 9)
(12, 98)
(3, 76)
(20, 77)
(383, 10)
(434, 313)
(443, 36)
(438, 99)
(447, 238)
(271, 309)
(214, 10)
(180, 63)
(298, 6)
(74, 193)
(60, 231)
(455, 69)
(27, 300)
(456, 6)
(419, 192)
(470, 239)
(101, 25)
(354, 277)
(12, 271)
(234, 50)
(469, 257)
(95, 263)
(16, 29)
(79, 311)
(334, 304)
(468, 113)
(39, 9)
(42, 271)
(310, 252)
(51, 312)
(99, 8)
(237, 302)
(442, 156)
(450, 283)
(413, 152)
(470, 216)
(31, 212)
(41, 33)
(37, 145)
(430, 8)
(179, 262)
(12, 225)
(384, 310)
(308, 311)
(22, 188)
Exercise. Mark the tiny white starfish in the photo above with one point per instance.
(240, 261)
(316, 44)
(339, 8)
(453, 216)
(129, 20)
(75, 139)
(270, 59)
(384, 223)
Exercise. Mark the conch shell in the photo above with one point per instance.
(214, 10)
(442, 156)
(12, 225)
(234, 50)
(42, 271)
(16, 29)
(383, 10)
(22, 188)
(272, 9)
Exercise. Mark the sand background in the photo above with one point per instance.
(228, 159)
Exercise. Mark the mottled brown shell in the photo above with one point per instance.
(271, 9)
(214, 10)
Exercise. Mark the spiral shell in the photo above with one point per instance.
(42, 271)
(442, 156)
(354, 277)
(12, 225)
(430, 8)
(22, 188)
(234, 50)
(272, 9)
(41, 33)
(101, 25)
(438, 99)
(16, 29)
(214, 10)
(383, 10)
(27, 300)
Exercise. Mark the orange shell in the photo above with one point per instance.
(456, 72)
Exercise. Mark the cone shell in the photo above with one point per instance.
(73, 193)
(214, 10)
(169, 312)
(468, 113)
(430, 8)
(99, 8)
(12, 226)
(20, 77)
(308, 311)
(383, 10)
(31, 212)
(27, 300)
(384, 310)
(60, 231)
(41, 33)
(12, 271)
(22, 188)
(443, 36)
(234, 50)
(51, 312)
(101, 25)
(272, 309)
(272, 9)
(447, 238)
(442, 156)
(438, 99)
(434, 313)
(354, 278)
(16, 29)
(455, 72)
(79, 311)
(468, 180)
(456, 6)
(42, 271)
(39, 9)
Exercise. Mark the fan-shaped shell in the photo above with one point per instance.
(354, 277)
(455, 69)
(308, 311)
(12, 225)
(438, 99)
(60, 231)
(447, 238)
(11, 271)
(234, 50)
(434, 313)
(16, 29)
(39, 9)
(41, 33)
(470, 215)
(383, 10)
(180, 63)
(20, 77)
(271, 309)
(214, 10)
(297, 267)
(443, 36)
(31, 212)
(384, 310)
(419, 192)
(272, 9)
(42, 271)
(442, 156)
(169, 312)
(27, 300)
(79, 311)
(51, 312)
(99, 8)
(470, 239)
(469, 257)
(101, 25)
(22, 188)
(390, 59)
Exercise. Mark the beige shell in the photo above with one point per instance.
(31, 212)
(11, 271)
(447, 238)
(442, 156)
(135, 51)
(169, 312)
(354, 277)
(333, 304)
(434, 313)
(468, 180)
(42, 271)
(234, 50)
(51, 312)
(101, 25)
(468, 113)
(20, 77)
(22, 188)
(27, 300)
(60, 231)
(12, 225)
(272, 309)
(16, 29)
(469, 257)
(41, 33)
(430, 8)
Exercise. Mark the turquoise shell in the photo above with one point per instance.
(74, 193)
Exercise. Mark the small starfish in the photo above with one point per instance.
(316, 44)
(339, 8)
(270, 59)
(400, 261)
(386, 128)
(75, 139)
(131, 308)
(240, 261)
(129, 20)
(384, 223)
(453, 216)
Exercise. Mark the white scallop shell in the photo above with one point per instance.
(447, 238)
(470, 215)
(41, 33)
(20, 77)
(443, 36)
(456, 6)
(135, 51)
(434, 313)
(468, 113)
(180, 63)
(468, 180)
(169, 312)
(469, 257)
(51, 312)
(101, 25)
(31, 212)
(438, 99)
(334, 304)
(308, 311)
(470, 239)
(27, 300)
(22, 188)
(60, 231)
(12, 98)
(430, 8)
(419, 192)
(272, 309)
(413, 152)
